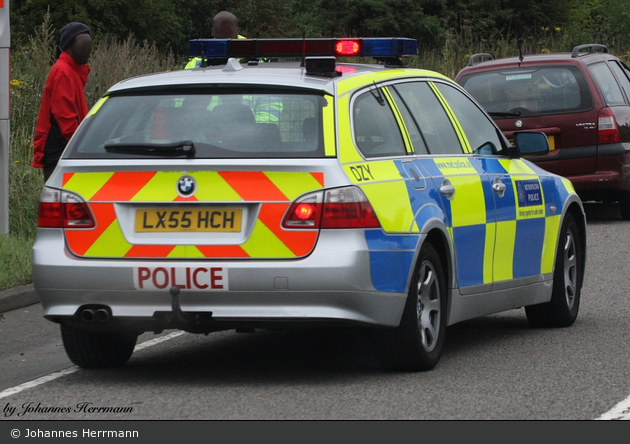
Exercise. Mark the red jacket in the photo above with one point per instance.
(63, 107)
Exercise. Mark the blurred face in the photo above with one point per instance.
(224, 28)
(81, 48)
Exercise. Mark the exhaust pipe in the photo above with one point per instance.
(88, 315)
(101, 315)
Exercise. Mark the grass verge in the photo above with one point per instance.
(15, 261)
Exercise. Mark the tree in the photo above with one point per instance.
(384, 18)
(491, 19)
(600, 21)
(157, 21)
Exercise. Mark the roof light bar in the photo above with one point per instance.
(312, 47)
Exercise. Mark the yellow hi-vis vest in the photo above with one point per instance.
(195, 62)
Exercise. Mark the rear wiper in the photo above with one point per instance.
(181, 148)
(504, 114)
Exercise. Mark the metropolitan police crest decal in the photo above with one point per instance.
(186, 186)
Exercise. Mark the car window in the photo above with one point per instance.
(273, 124)
(622, 75)
(376, 131)
(480, 131)
(607, 84)
(419, 147)
(530, 91)
(427, 113)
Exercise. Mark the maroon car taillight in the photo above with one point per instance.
(61, 209)
(607, 130)
(337, 208)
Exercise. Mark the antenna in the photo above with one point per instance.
(303, 48)
(378, 95)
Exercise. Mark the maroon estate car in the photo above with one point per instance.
(580, 100)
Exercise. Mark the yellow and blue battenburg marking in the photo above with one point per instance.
(470, 220)
(496, 238)
(392, 255)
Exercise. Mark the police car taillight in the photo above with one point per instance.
(337, 208)
(61, 209)
(348, 208)
(305, 212)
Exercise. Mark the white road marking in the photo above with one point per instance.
(620, 412)
(44, 379)
(152, 342)
(36, 382)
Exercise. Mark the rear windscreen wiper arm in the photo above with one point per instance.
(182, 148)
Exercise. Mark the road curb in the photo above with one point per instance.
(17, 297)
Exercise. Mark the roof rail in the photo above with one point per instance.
(478, 58)
(592, 47)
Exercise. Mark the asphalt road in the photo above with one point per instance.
(496, 367)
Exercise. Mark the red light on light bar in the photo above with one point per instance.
(348, 48)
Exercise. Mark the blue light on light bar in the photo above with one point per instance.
(208, 48)
(386, 47)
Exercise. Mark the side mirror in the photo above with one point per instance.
(531, 143)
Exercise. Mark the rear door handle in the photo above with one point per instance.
(499, 187)
(447, 189)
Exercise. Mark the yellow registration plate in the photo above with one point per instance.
(189, 220)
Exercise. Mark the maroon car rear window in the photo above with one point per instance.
(530, 91)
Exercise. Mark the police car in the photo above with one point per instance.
(309, 192)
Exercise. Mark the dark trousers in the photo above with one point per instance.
(47, 172)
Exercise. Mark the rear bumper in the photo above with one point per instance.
(332, 284)
(611, 164)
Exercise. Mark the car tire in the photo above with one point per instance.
(416, 344)
(98, 350)
(624, 206)
(562, 309)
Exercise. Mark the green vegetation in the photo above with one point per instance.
(171, 23)
(15, 261)
(449, 32)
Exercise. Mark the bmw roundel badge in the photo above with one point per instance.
(186, 186)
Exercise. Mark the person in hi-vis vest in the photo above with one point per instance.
(224, 26)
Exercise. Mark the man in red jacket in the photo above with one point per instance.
(63, 104)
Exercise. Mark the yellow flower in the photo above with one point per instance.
(15, 83)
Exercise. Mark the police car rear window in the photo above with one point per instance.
(230, 125)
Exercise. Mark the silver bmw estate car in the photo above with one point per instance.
(248, 195)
